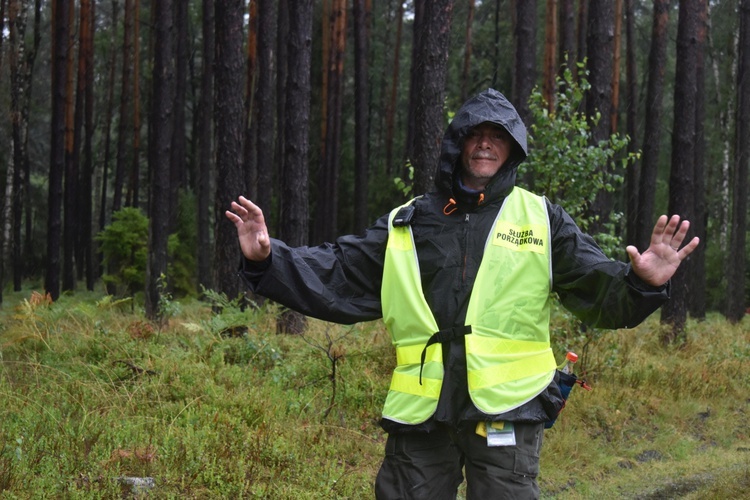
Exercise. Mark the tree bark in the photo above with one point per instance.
(282, 51)
(125, 95)
(205, 149)
(632, 174)
(430, 69)
(160, 154)
(657, 61)
(736, 261)
(567, 44)
(697, 296)
(362, 12)
(178, 161)
(581, 33)
(466, 73)
(524, 76)
(228, 115)
(18, 76)
(616, 68)
(134, 185)
(72, 140)
(550, 52)
(326, 220)
(390, 111)
(681, 175)
(294, 184)
(85, 245)
(251, 110)
(600, 48)
(265, 104)
(411, 121)
(60, 9)
(29, 249)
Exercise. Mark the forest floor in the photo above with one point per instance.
(210, 405)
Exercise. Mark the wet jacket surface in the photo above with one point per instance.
(340, 281)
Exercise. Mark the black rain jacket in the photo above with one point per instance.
(340, 282)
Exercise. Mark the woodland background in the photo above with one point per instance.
(158, 114)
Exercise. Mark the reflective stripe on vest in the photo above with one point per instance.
(509, 359)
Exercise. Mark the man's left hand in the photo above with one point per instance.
(661, 259)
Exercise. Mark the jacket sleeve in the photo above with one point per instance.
(337, 282)
(601, 292)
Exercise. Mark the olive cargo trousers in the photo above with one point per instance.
(429, 465)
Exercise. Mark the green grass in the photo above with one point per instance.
(92, 393)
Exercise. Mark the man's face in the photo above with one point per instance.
(486, 147)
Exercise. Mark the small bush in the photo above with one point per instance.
(124, 246)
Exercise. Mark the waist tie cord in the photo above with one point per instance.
(441, 336)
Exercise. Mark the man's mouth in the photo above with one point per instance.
(483, 156)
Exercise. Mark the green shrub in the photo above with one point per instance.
(124, 246)
(566, 166)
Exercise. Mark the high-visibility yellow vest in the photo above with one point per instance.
(506, 333)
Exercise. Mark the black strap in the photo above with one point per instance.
(441, 336)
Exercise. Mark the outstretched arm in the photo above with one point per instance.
(251, 229)
(661, 259)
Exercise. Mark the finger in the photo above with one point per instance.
(657, 236)
(675, 232)
(632, 252)
(688, 249)
(249, 205)
(233, 217)
(253, 210)
(679, 235)
(239, 210)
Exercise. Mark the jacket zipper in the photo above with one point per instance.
(465, 248)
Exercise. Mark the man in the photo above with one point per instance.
(462, 278)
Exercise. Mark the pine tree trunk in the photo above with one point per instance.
(657, 61)
(17, 30)
(632, 174)
(124, 121)
(736, 261)
(697, 296)
(681, 175)
(390, 111)
(60, 9)
(228, 115)
(29, 249)
(466, 74)
(205, 149)
(600, 48)
(567, 45)
(72, 139)
(294, 184)
(326, 220)
(134, 185)
(160, 154)
(524, 76)
(178, 161)
(362, 12)
(282, 51)
(550, 52)
(581, 33)
(615, 107)
(250, 150)
(108, 128)
(420, 7)
(265, 104)
(88, 26)
(430, 69)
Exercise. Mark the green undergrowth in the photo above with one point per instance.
(219, 406)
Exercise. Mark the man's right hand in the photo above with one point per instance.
(251, 229)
